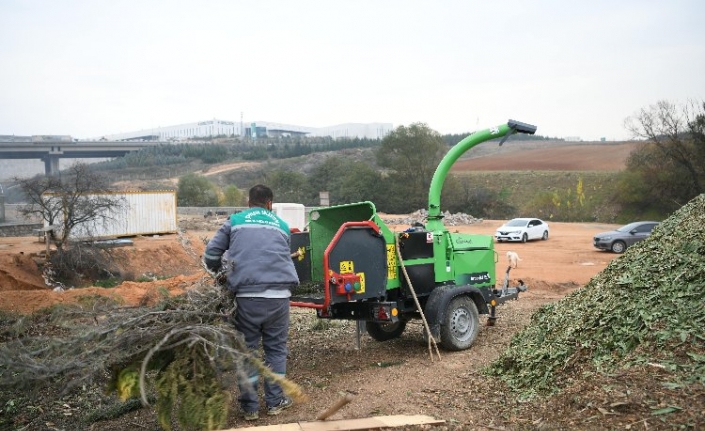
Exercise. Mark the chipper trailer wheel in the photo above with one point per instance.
(461, 324)
(385, 331)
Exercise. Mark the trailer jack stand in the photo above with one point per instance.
(492, 318)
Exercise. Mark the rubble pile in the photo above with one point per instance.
(421, 215)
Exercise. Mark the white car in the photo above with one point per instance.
(522, 229)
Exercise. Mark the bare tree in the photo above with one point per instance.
(678, 133)
(68, 201)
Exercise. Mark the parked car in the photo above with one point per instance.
(522, 229)
(618, 240)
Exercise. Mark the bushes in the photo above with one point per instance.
(197, 191)
(80, 264)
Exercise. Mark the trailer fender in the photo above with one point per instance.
(439, 299)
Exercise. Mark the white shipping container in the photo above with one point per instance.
(293, 214)
(140, 213)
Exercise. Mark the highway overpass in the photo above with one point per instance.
(52, 150)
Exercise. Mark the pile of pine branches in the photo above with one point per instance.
(183, 353)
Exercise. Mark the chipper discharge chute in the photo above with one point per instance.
(352, 266)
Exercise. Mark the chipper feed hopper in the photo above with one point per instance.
(352, 266)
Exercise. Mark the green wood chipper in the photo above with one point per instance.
(352, 266)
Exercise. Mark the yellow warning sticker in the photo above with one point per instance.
(391, 261)
(347, 267)
(362, 282)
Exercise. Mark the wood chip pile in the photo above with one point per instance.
(645, 309)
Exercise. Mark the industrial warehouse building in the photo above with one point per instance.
(258, 129)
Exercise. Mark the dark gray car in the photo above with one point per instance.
(625, 236)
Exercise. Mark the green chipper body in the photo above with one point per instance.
(352, 266)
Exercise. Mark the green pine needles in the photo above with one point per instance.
(189, 389)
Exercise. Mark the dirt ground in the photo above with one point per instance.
(397, 377)
(550, 268)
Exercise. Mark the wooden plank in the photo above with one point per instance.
(368, 423)
(280, 427)
(349, 424)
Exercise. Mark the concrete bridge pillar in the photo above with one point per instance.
(51, 165)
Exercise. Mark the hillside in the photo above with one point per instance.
(516, 172)
(551, 157)
(535, 155)
(511, 156)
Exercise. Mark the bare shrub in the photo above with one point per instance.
(82, 263)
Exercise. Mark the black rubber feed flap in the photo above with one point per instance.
(366, 251)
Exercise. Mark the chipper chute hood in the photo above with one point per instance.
(434, 195)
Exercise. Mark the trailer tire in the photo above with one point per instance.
(461, 324)
(385, 331)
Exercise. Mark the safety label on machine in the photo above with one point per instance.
(391, 261)
(347, 267)
(362, 282)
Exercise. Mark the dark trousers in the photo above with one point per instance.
(265, 320)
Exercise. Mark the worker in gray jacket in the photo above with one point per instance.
(260, 272)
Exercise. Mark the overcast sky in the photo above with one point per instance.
(573, 68)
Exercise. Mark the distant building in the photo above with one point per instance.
(255, 129)
(185, 131)
(355, 130)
